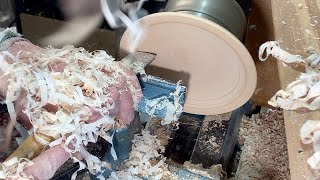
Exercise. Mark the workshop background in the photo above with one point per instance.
(254, 141)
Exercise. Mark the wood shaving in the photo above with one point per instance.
(14, 167)
(145, 160)
(273, 48)
(264, 151)
(305, 91)
(310, 134)
(308, 32)
(315, 22)
(83, 72)
(215, 172)
(302, 93)
(173, 109)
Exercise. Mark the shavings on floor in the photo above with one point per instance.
(212, 135)
(146, 160)
(215, 172)
(264, 152)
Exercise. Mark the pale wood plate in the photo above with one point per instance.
(216, 67)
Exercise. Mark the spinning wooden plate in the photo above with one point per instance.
(216, 67)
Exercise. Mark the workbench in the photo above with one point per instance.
(295, 24)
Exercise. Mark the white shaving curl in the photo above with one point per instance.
(173, 109)
(310, 133)
(145, 160)
(273, 48)
(14, 168)
(82, 84)
(302, 93)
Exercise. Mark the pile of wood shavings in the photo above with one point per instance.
(302, 93)
(145, 161)
(264, 152)
(173, 109)
(82, 84)
(305, 91)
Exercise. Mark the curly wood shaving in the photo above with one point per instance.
(83, 73)
(302, 93)
(14, 168)
(310, 133)
(145, 161)
(273, 48)
(173, 109)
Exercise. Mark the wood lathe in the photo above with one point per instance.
(217, 72)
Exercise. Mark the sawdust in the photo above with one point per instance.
(162, 132)
(214, 172)
(215, 121)
(146, 160)
(209, 143)
(264, 152)
(213, 143)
